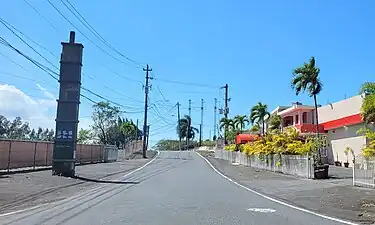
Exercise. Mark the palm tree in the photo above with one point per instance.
(240, 122)
(227, 124)
(258, 113)
(255, 128)
(185, 125)
(305, 78)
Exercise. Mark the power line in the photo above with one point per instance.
(36, 63)
(26, 36)
(93, 31)
(186, 83)
(84, 35)
(15, 63)
(4, 23)
(41, 15)
(50, 72)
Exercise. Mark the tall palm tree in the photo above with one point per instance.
(305, 78)
(185, 130)
(255, 128)
(227, 124)
(258, 114)
(240, 122)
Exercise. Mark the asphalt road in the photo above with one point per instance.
(176, 188)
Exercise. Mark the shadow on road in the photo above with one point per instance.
(104, 181)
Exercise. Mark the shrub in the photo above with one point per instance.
(284, 143)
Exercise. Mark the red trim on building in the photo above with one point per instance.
(309, 128)
(345, 121)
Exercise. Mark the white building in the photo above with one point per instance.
(338, 122)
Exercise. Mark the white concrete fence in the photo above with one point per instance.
(364, 172)
(297, 165)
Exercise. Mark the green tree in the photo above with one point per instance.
(32, 135)
(18, 130)
(258, 114)
(105, 122)
(84, 136)
(274, 123)
(368, 109)
(4, 126)
(367, 88)
(255, 128)
(240, 122)
(368, 105)
(129, 130)
(305, 78)
(186, 130)
(229, 128)
(39, 134)
(51, 135)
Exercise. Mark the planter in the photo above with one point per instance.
(338, 163)
(321, 172)
(346, 164)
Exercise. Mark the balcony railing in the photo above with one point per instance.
(306, 128)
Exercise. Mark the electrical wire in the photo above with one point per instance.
(84, 35)
(31, 6)
(5, 24)
(50, 72)
(93, 31)
(185, 83)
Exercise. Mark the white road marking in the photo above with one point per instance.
(262, 210)
(22, 210)
(275, 200)
(72, 197)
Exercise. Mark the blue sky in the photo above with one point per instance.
(251, 45)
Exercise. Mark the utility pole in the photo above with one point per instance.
(146, 107)
(201, 125)
(136, 136)
(215, 109)
(188, 128)
(148, 135)
(226, 111)
(179, 126)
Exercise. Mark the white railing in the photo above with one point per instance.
(296, 165)
(364, 172)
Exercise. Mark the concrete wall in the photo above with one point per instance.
(339, 139)
(19, 154)
(337, 110)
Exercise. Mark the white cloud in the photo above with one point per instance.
(46, 93)
(38, 112)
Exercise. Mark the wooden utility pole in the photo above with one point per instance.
(136, 136)
(201, 125)
(215, 109)
(179, 126)
(226, 111)
(145, 130)
(188, 128)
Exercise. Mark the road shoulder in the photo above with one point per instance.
(23, 190)
(333, 197)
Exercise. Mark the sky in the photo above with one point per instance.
(252, 46)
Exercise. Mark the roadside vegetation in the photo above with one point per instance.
(18, 130)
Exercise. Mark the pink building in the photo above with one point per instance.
(338, 123)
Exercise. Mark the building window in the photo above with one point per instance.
(304, 117)
(297, 119)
